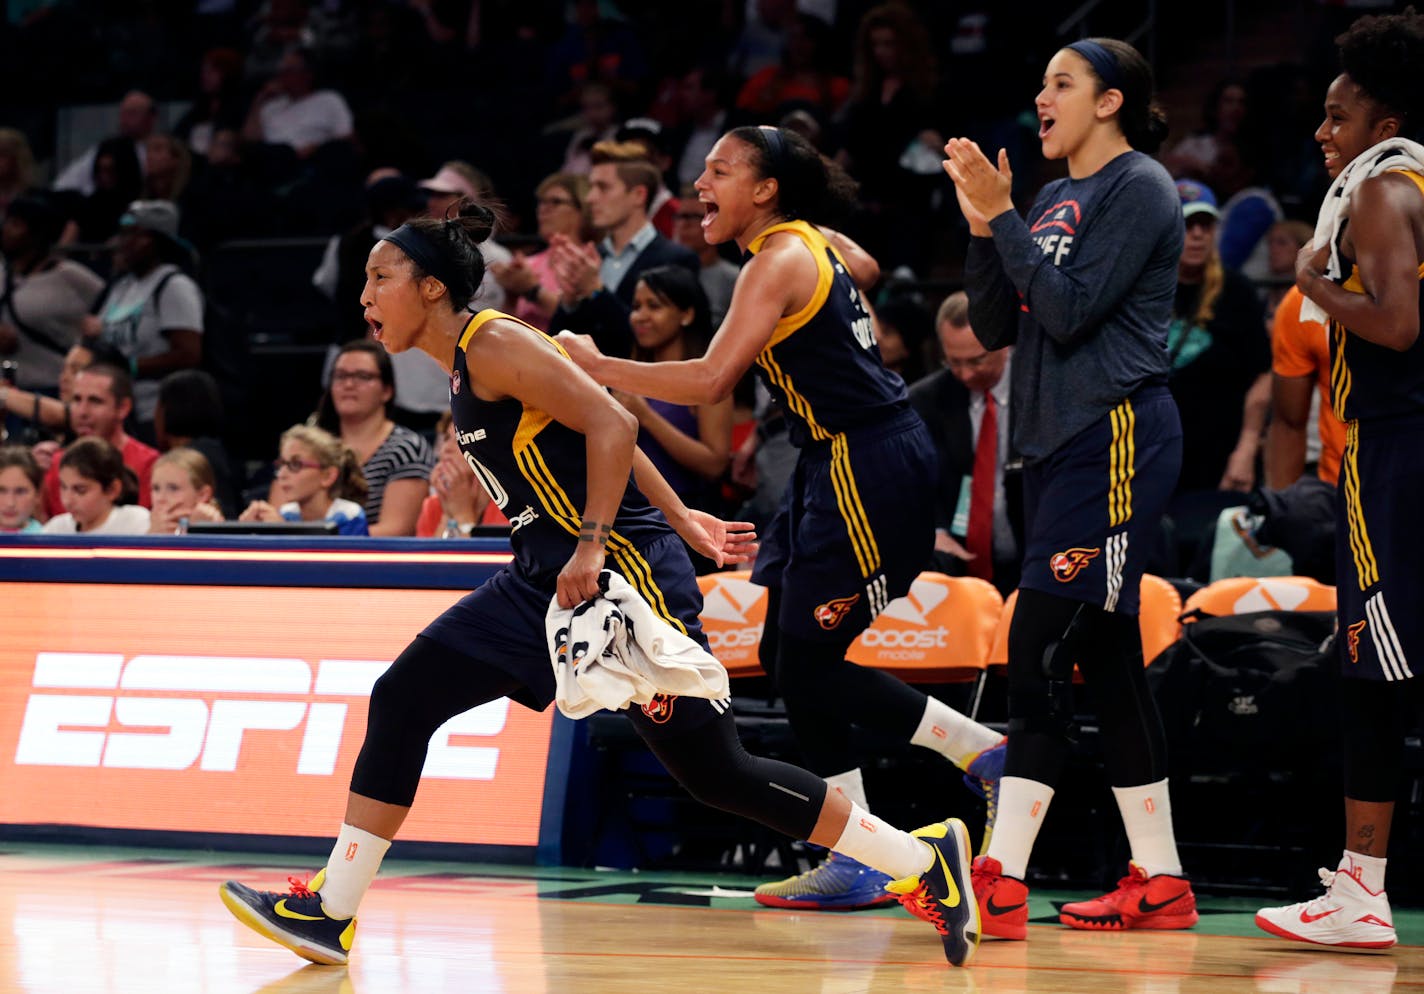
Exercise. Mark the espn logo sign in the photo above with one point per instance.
(190, 712)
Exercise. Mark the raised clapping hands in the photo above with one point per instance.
(984, 191)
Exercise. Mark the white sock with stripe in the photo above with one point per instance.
(1147, 816)
(852, 785)
(350, 869)
(881, 846)
(1022, 805)
(1368, 870)
(957, 737)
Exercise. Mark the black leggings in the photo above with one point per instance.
(1047, 636)
(1378, 715)
(429, 684)
(826, 693)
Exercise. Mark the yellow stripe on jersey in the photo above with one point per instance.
(794, 400)
(1366, 567)
(862, 539)
(489, 314)
(1121, 464)
(825, 275)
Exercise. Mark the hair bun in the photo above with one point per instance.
(1157, 129)
(476, 220)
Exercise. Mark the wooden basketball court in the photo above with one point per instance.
(149, 922)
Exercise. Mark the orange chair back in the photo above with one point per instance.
(733, 615)
(1245, 594)
(940, 632)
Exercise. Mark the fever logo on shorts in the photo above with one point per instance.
(833, 612)
(455, 382)
(659, 709)
(1068, 564)
(1352, 639)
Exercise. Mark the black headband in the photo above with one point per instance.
(775, 150)
(423, 251)
(1104, 63)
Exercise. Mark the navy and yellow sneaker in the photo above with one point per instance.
(838, 884)
(982, 775)
(295, 919)
(943, 895)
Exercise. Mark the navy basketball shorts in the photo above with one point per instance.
(855, 527)
(1379, 549)
(1093, 509)
(502, 625)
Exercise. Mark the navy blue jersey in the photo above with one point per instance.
(1371, 381)
(535, 470)
(822, 364)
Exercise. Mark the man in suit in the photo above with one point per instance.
(979, 526)
(597, 283)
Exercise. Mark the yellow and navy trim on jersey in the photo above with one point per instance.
(1361, 549)
(794, 400)
(555, 500)
(1121, 464)
(825, 275)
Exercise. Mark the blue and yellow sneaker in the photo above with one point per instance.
(838, 884)
(981, 775)
(295, 919)
(944, 895)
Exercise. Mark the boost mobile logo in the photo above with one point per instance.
(184, 712)
(724, 614)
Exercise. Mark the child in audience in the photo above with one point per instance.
(318, 479)
(97, 494)
(458, 501)
(182, 488)
(20, 480)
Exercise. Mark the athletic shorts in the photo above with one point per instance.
(1379, 549)
(1094, 508)
(855, 527)
(502, 625)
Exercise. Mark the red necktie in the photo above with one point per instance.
(980, 539)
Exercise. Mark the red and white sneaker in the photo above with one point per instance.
(1003, 901)
(1347, 914)
(1139, 901)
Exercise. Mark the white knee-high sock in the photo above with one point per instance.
(882, 846)
(1022, 805)
(955, 736)
(852, 785)
(1147, 816)
(350, 869)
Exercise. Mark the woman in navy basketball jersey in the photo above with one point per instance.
(856, 525)
(558, 455)
(1083, 289)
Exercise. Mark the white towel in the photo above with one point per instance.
(613, 651)
(1393, 153)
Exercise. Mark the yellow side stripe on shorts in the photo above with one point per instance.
(1121, 463)
(862, 539)
(1339, 371)
(1366, 566)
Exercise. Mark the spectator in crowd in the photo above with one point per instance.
(1300, 386)
(597, 48)
(20, 479)
(289, 110)
(1194, 157)
(118, 181)
(138, 116)
(1284, 240)
(219, 103)
(226, 200)
(189, 415)
(763, 36)
(166, 168)
(596, 121)
(102, 398)
(50, 415)
(17, 166)
(902, 333)
(181, 491)
(391, 200)
(395, 462)
(1220, 356)
(965, 405)
(703, 92)
(690, 444)
(717, 274)
(95, 492)
(458, 502)
(802, 78)
(596, 284)
(318, 479)
(152, 313)
(44, 297)
(1250, 209)
(648, 134)
(561, 208)
(889, 120)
